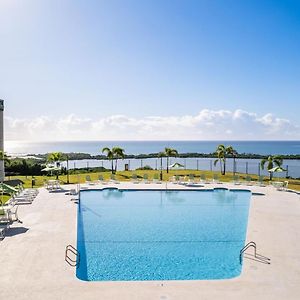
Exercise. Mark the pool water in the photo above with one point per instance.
(161, 235)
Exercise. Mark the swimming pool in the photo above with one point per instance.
(161, 235)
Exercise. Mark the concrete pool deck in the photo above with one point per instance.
(32, 254)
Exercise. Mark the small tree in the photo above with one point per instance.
(169, 152)
(272, 161)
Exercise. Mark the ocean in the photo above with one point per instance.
(146, 147)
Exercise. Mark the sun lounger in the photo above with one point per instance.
(174, 179)
(280, 185)
(22, 199)
(260, 181)
(183, 180)
(113, 179)
(134, 179)
(28, 190)
(248, 180)
(145, 178)
(101, 180)
(203, 179)
(216, 179)
(236, 180)
(3, 216)
(3, 228)
(88, 180)
(156, 179)
(53, 185)
(191, 179)
(12, 214)
(177, 179)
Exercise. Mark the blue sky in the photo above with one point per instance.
(93, 65)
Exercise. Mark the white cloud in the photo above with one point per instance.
(207, 124)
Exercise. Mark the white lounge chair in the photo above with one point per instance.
(216, 179)
(248, 180)
(260, 181)
(156, 179)
(101, 180)
(203, 179)
(236, 180)
(3, 228)
(88, 180)
(134, 179)
(22, 199)
(146, 179)
(113, 179)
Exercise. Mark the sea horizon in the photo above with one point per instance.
(93, 147)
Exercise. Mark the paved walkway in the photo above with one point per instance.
(32, 262)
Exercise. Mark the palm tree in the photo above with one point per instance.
(161, 155)
(110, 156)
(118, 153)
(169, 152)
(272, 161)
(231, 151)
(56, 158)
(222, 153)
(221, 157)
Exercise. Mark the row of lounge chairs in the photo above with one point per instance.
(101, 180)
(279, 185)
(9, 211)
(188, 180)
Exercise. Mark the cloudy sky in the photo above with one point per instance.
(159, 69)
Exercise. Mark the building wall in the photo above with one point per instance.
(2, 174)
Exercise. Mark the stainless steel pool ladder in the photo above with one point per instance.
(262, 258)
(71, 261)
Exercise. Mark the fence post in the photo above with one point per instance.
(258, 169)
(287, 171)
(234, 168)
(246, 167)
(185, 164)
(141, 163)
(210, 163)
(197, 165)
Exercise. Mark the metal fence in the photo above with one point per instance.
(244, 166)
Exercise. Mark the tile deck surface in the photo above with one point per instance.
(32, 254)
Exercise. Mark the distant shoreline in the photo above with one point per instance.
(82, 156)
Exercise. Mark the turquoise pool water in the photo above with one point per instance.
(161, 235)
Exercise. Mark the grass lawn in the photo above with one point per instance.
(127, 175)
